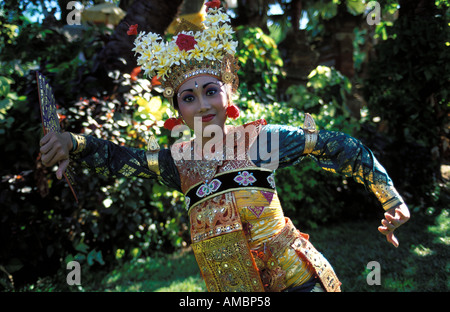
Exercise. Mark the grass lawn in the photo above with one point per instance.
(419, 264)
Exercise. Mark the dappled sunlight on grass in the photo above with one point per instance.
(419, 264)
(178, 272)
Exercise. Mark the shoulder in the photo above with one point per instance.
(256, 123)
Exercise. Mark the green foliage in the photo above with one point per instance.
(41, 227)
(132, 221)
(260, 64)
(301, 187)
(408, 89)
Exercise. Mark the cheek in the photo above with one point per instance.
(187, 113)
(221, 101)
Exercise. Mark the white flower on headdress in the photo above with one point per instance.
(212, 20)
(224, 18)
(174, 51)
(215, 45)
(212, 33)
(197, 54)
(203, 44)
(183, 56)
(230, 46)
(225, 31)
(164, 63)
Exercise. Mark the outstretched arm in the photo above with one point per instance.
(340, 153)
(107, 158)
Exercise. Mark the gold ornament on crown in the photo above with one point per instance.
(206, 49)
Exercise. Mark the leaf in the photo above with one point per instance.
(5, 85)
(95, 255)
(82, 247)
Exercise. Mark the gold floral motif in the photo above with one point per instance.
(227, 265)
(272, 275)
(214, 217)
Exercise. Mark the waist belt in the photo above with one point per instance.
(289, 235)
(253, 178)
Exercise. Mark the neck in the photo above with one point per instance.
(203, 138)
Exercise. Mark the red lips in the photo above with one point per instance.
(207, 118)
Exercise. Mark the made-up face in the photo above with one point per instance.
(203, 100)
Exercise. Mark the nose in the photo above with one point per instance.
(204, 104)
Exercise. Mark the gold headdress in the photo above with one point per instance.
(194, 50)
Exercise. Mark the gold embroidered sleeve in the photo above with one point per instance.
(152, 161)
(387, 195)
(79, 143)
(343, 154)
(112, 160)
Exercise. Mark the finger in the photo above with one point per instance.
(394, 221)
(48, 158)
(388, 225)
(46, 138)
(45, 148)
(383, 230)
(392, 239)
(62, 168)
(403, 213)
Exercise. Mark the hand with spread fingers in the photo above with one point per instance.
(393, 218)
(55, 148)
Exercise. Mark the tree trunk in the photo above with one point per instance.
(151, 16)
(252, 13)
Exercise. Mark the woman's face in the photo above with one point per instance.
(202, 101)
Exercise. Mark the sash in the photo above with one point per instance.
(254, 178)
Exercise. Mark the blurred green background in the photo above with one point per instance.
(379, 72)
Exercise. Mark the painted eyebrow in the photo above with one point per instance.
(204, 86)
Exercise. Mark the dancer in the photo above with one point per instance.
(241, 238)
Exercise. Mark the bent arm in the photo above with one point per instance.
(112, 160)
(340, 153)
(333, 151)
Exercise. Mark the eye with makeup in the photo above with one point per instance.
(210, 91)
(188, 98)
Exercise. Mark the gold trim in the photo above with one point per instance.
(227, 264)
(80, 141)
(152, 161)
(387, 195)
(311, 134)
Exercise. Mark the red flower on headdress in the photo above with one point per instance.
(185, 42)
(132, 30)
(215, 4)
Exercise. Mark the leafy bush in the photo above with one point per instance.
(407, 89)
(42, 228)
(302, 187)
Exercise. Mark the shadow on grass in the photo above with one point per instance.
(168, 273)
(419, 264)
